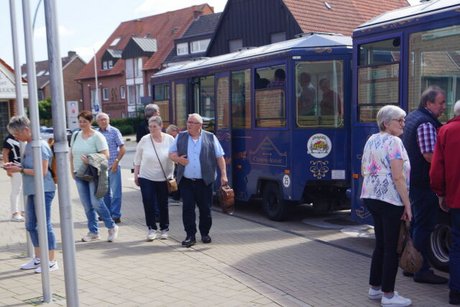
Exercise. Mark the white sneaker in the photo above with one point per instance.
(164, 234)
(375, 294)
(396, 301)
(53, 267)
(32, 264)
(152, 235)
(91, 236)
(113, 234)
(17, 217)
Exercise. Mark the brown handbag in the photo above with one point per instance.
(411, 259)
(227, 199)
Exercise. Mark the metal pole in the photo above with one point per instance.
(96, 99)
(19, 97)
(61, 149)
(37, 154)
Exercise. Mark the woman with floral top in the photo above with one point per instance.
(385, 168)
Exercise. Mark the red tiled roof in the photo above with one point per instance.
(165, 28)
(315, 16)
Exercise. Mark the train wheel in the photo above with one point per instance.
(440, 244)
(273, 203)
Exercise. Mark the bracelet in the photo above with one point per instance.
(22, 170)
(117, 160)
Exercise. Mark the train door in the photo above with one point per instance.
(223, 118)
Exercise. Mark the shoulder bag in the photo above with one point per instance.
(171, 182)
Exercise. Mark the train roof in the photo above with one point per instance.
(306, 41)
(420, 10)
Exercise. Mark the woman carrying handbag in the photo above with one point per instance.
(152, 168)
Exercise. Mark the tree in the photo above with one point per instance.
(44, 111)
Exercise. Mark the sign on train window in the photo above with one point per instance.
(378, 77)
(270, 100)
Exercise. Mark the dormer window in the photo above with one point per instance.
(200, 46)
(110, 64)
(115, 41)
(182, 49)
(104, 65)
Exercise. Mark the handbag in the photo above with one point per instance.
(411, 259)
(171, 182)
(227, 199)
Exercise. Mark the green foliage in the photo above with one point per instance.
(126, 125)
(44, 112)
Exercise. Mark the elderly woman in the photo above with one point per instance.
(385, 169)
(85, 142)
(19, 127)
(152, 168)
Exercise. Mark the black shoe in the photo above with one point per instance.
(189, 241)
(117, 220)
(206, 239)
(408, 274)
(454, 297)
(429, 277)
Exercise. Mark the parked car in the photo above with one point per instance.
(47, 133)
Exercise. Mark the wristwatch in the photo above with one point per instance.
(117, 160)
(22, 170)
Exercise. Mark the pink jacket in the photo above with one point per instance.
(445, 164)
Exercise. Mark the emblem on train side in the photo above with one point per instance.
(319, 145)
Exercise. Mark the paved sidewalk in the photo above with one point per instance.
(248, 264)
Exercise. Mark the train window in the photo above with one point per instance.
(181, 105)
(241, 99)
(378, 77)
(435, 58)
(319, 92)
(203, 95)
(223, 107)
(270, 101)
(161, 91)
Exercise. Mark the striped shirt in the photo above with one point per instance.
(114, 140)
(426, 137)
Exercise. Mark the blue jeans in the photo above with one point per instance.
(425, 208)
(86, 191)
(454, 255)
(113, 197)
(31, 220)
(384, 265)
(155, 197)
(196, 192)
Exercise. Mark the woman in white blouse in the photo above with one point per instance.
(152, 168)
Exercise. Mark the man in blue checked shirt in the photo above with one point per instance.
(419, 138)
(116, 150)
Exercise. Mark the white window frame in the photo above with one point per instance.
(104, 65)
(122, 92)
(182, 49)
(110, 64)
(105, 93)
(199, 46)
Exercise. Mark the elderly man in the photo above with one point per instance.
(116, 152)
(419, 139)
(445, 180)
(197, 153)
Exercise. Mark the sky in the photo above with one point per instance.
(84, 25)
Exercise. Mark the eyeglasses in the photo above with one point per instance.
(399, 120)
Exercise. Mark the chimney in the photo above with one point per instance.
(71, 54)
